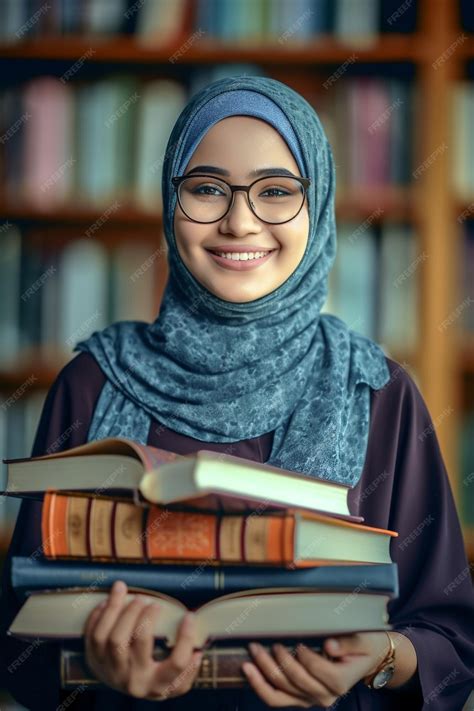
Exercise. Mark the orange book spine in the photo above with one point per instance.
(45, 535)
(97, 528)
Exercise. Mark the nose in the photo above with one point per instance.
(240, 219)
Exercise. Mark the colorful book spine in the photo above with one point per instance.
(97, 528)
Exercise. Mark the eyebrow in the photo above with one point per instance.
(253, 173)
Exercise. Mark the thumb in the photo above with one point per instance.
(341, 646)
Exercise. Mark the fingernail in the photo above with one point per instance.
(255, 648)
(333, 645)
(119, 586)
(247, 668)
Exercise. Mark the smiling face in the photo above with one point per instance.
(236, 148)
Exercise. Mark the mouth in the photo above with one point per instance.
(241, 261)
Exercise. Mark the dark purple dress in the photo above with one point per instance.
(403, 487)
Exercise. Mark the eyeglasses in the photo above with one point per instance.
(275, 199)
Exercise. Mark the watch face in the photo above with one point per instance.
(383, 677)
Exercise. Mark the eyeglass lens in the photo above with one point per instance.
(274, 199)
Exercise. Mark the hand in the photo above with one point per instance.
(312, 678)
(119, 645)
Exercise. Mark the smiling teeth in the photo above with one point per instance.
(242, 256)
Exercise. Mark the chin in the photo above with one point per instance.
(240, 298)
(233, 295)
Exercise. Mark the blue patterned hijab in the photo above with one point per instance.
(222, 371)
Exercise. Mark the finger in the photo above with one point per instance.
(123, 631)
(330, 675)
(88, 627)
(183, 649)
(178, 666)
(143, 641)
(308, 683)
(106, 621)
(345, 644)
(93, 618)
(275, 672)
(271, 696)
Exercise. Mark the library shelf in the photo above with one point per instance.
(324, 49)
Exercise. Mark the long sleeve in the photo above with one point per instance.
(406, 488)
(30, 670)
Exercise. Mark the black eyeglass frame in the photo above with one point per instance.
(178, 179)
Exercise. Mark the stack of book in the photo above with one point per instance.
(196, 532)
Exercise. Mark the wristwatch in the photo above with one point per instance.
(385, 670)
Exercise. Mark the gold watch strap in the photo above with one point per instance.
(388, 659)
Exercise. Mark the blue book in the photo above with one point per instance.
(199, 583)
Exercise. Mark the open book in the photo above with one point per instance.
(253, 614)
(205, 479)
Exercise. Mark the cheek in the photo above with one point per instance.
(294, 238)
(189, 241)
(187, 235)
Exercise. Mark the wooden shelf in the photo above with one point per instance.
(322, 50)
(463, 209)
(467, 47)
(124, 213)
(391, 202)
(37, 368)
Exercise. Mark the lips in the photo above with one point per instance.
(233, 248)
(241, 265)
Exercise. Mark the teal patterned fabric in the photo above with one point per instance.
(220, 371)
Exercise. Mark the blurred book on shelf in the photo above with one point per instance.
(466, 479)
(373, 285)
(161, 22)
(107, 146)
(463, 140)
(55, 297)
(19, 417)
(465, 309)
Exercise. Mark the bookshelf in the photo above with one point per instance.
(443, 359)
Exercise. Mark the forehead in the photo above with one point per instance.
(242, 143)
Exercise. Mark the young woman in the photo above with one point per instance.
(241, 360)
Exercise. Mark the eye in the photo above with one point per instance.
(272, 192)
(208, 189)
